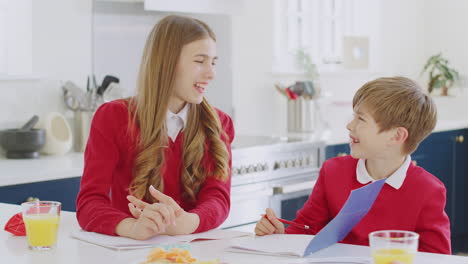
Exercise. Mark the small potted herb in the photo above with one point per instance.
(441, 75)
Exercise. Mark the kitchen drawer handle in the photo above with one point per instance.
(302, 186)
(460, 139)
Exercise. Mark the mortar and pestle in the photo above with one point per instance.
(23, 143)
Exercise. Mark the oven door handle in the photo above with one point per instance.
(296, 187)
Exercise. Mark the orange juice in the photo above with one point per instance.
(386, 256)
(41, 229)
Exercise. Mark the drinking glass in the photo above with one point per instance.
(393, 246)
(41, 219)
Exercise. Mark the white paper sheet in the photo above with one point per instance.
(273, 245)
(122, 243)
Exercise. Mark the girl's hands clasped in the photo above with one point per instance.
(269, 224)
(152, 219)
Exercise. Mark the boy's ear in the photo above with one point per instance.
(400, 135)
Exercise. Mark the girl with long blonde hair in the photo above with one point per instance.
(160, 162)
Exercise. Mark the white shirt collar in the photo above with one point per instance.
(395, 180)
(176, 122)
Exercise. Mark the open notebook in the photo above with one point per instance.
(293, 246)
(121, 243)
(355, 208)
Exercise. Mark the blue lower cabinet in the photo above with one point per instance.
(444, 154)
(64, 191)
(460, 238)
(336, 151)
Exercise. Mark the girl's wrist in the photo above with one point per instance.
(124, 227)
(186, 224)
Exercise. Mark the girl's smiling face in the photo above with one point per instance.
(194, 71)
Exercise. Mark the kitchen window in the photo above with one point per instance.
(317, 26)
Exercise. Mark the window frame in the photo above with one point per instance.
(314, 38)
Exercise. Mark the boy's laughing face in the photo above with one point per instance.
(366, 140)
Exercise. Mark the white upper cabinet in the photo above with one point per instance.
(228, 7)
(15, 37)
(122, 1)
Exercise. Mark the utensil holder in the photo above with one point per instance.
(82, 121)
(302, 115)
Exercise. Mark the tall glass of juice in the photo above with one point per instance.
(41, 219)
(393, 246)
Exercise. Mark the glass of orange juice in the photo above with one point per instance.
(393, 246)
(41, 219)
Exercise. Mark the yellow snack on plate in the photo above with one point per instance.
(175, 256)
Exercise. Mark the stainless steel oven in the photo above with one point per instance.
(289, 197)
(271, 172)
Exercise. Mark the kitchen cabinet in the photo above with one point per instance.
(443, 154)
(122, 1)
(336, 151)
(63, 190)
(15, 39)
(227, 7)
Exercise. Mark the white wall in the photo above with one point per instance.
(120, 32)
(254, 96)
(446, 25)
(402, 35)
(61, 41)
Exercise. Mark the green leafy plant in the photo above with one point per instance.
(441, 75)
(305, 61)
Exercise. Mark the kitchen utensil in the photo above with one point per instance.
(58, 134)
(74, 97)
(113, 92)
(82, 121)
(22, 144)
(30, 124)
(108, 79)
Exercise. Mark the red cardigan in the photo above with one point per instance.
(109, 159)
(417, 206)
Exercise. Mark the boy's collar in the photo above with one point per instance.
(395, 180)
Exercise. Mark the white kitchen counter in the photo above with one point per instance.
(71, 165)
(45, 168)
(71, 251)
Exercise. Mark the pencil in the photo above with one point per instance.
(306, 227)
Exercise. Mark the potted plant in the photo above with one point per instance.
(308, 88)
(441, 75)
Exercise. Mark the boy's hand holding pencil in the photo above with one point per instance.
(269, 224)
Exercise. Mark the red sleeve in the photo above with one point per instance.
(315, 212)
(94, 211)
(214, 196)
(433, 224)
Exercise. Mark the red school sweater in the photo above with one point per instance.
(417, 206)
(109, 159)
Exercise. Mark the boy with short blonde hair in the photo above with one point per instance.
(391, 117)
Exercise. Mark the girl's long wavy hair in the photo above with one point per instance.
(148, 109)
